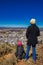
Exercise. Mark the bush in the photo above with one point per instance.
(4, 49)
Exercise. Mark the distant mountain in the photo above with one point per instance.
(1, 28)
(12, 27)
(41, 29)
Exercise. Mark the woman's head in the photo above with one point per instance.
(32, 21)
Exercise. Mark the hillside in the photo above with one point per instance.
(9, 58)
(8, 40)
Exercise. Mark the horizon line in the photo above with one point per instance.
(17, 26)
(20, 26)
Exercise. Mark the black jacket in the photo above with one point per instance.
(31, 35)
(20, 52)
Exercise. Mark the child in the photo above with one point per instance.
(20, 53)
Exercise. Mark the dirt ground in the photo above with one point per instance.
(39, 61)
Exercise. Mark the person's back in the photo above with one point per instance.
(31, 35)
(20, 51)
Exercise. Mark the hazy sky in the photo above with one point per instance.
(19, 12)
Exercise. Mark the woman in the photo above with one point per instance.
(31, 34)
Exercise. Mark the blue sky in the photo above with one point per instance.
(17, 13)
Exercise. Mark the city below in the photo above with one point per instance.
(13, 34)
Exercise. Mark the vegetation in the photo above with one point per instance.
(7, 55)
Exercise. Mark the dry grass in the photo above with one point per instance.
(7, 55)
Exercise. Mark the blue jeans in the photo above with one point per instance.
(33, 52)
